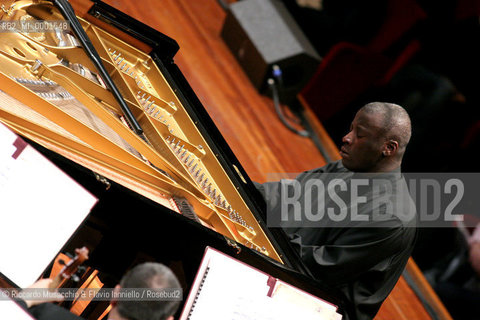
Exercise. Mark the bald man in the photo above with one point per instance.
(151, 275)
(353, 222)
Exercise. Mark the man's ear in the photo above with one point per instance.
(390, 148)
(116, 291)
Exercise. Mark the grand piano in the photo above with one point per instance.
(102, 98)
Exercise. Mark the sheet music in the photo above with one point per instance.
(40, 206)
(230, 289)
(227, 288)
(11, 310)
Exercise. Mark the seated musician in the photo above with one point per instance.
(146, 275)
(363, 253)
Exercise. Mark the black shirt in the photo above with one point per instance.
(363, 259)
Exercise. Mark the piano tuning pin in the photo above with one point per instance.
(138, 93)
(176, 145)
(201, 177)
(213, 194)
(126, 70)
(123, 66)
(116, 58)
(156, 113)
(167, 138)
(198, 172)
(191, 162)
(194, 167)
(161, 117)
(188, 158)
(224, 204)
(143, 95)
(173, 141)
(229, 208)
(132, 74)
(181, 148)
(148, 99)
(183, 154)
(151, 110)
(209, 188)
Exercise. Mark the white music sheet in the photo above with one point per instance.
(11, 310)
(226, 288)
(40, 209)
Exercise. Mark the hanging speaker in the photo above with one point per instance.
(261, 34)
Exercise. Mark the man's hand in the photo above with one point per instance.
(475, 256)
(52, 296)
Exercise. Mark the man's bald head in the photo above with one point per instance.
(377, 138)
(396, 122)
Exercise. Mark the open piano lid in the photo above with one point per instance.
(78, 95)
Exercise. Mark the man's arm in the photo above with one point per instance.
(352, 252)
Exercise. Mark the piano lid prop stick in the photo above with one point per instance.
(69, 14)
